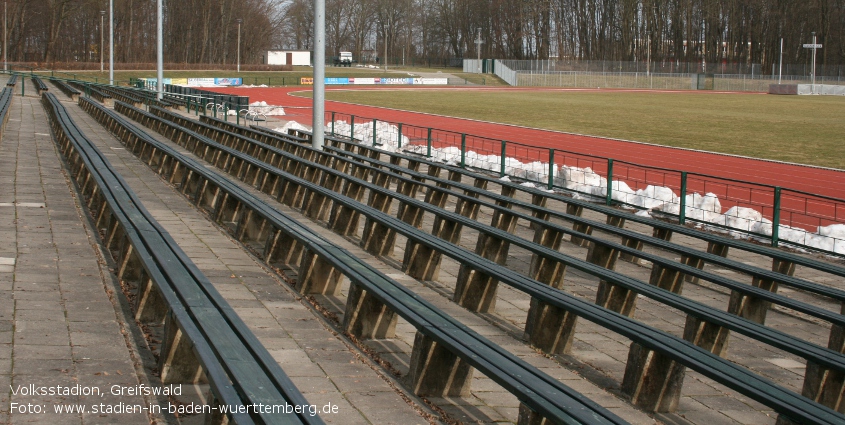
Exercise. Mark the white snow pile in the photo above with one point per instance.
(584, 183)
(387, 135)
(263, 108)
(291, 125)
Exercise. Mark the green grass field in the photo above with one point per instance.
(802, 129)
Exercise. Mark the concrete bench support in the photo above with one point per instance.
(408, 213)
(177, 362)
(543, 269)
(755, 309)
(823, 385)
(344, 220)
(653, 381)
(629, 242)
(712, 248)
(316, 276)
(422, 262)
(366, 317)
(611, 296)
(475, 290)
(578, 210)
(319, 205)
(378, 239)
(436, 372)
(282, 250)
(549, 328)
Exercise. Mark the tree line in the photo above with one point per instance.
(714, 31)
(195, 31)
(205, 31)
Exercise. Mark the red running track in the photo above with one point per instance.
(798, 177)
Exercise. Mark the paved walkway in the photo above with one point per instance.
(324, 366)
(61, 331)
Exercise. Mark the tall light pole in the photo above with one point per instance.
(780, 66)
(239, 44)
(160, 53)
(102, 21)
(387, 25)
(111, 42)
(319, 105)
(5, 63)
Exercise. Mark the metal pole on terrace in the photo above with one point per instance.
(319, 98)
(102, 22)
(160, 52)
(111, 42)
(239, 44)
(5, 63)
(780, 66)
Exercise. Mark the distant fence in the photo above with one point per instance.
(637, 75)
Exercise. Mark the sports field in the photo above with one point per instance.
(801, 129)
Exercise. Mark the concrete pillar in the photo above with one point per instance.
(823, 385)
(755, 309)
(712, 248)
(282, 250)
(543, 269)
(609, 295)
(366, 317)
(578, 210)
(422, 262)
(379, 239)
(654, 381)
(177, 362)
(317, 276)
(436, 372)
(474, 289)
(344, 220)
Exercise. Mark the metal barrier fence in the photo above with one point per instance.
(764, 212)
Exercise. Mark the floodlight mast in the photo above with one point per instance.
(160, 54)
(239, 44)
(5, 62)
(319, 88)
(102, 29)
(111, 42)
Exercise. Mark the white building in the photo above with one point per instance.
(286, 57)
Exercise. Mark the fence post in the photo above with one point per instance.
(609, 199)
(551, 169)
(504, 158)
(776, 218)
(682, 218)
(352, 128)
(463, 150)
(374, 131)
(238, 117)
(23, 88)
(399, 137)
(428, 144)
(226, 112)
(332, 123)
